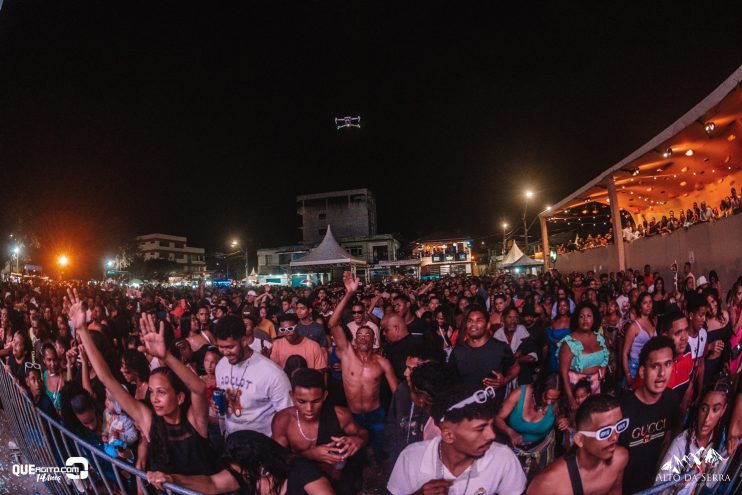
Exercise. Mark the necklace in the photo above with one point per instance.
(301, 431)
(538, 408)
(235, 397)
(439, 474)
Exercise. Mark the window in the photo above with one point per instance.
(179, 256)
(179, 245)
(268, 259)
(355, 251)
(323, 216)
(322, 231)
(163, 243)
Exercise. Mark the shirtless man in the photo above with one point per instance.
(362, 370)
(319, 431)
(598, 465)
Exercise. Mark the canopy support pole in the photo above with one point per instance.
(616, 222)
(545, 242)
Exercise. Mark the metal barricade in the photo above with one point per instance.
(45, 442)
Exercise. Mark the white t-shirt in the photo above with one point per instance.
(353, 327)
(498, 471)
(698, 344)
(259, 344)
(675, 463)
(263, 390)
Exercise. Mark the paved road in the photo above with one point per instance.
(23, 485)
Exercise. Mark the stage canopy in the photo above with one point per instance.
(329, 252)
(697, 158)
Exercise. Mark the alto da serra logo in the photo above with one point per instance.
(707, 456)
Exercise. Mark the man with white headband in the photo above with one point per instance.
(464, 459)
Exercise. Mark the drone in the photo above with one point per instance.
(342, 122)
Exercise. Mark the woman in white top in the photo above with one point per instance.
(696, 450)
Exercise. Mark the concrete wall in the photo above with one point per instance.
(708, 246)
(352, 215)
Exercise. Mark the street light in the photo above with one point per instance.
(235, 244)
(504, 245)
(16, 252)
(529, 195)
(63, 261)
(109, 263)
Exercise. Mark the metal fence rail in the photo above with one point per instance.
(45, 442)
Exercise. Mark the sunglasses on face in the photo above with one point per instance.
(357, 312)
(288, 329)
(605, 432)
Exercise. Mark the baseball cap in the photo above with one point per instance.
(252, 293)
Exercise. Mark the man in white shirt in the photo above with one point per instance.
(465, 458)
(255, 387)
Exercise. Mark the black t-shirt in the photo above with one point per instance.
(541, 340)
(474, 364)
(418, 327)
(397, 354)
(645, 437)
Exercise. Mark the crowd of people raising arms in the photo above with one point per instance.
(560, 383)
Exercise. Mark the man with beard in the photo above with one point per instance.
(598, 464)
(362, 370)
(255, 387)
(465, 455)
(652, 411)
(321, 432)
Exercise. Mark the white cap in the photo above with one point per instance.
(252, 293)
(701, 281)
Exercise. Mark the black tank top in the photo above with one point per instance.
(574, 473)
(187, 451)
(329, 426)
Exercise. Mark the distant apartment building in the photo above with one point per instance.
(173, 248)
(350, 213)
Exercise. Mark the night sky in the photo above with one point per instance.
(206, 120)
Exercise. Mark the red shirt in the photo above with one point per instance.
(679, 376)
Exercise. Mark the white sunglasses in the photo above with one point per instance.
(605, 432)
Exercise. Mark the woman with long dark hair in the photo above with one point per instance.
(528, 416)
(559, 328)
(703, 436)
(445, 330)
(177, 429)
(255, 465)
(719, 331)
(639, 332)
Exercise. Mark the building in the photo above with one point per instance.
(350, 213)
(273, 263)
(173, 248)
(443, 254)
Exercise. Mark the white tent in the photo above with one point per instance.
(329, 252)
(513, 255)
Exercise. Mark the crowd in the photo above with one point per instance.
(665, 225)
(580, 383)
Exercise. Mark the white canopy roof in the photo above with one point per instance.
(525, 261)
(513, 255)
(329, 252)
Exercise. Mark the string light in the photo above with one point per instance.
(709, 127)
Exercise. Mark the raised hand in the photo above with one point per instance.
(76, 311)
(351, 283)
(154, 340)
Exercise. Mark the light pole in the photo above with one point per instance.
(63, 261)
(17, 253)
(236, 244)
(108, 264)
(529, 195)
(504, 239)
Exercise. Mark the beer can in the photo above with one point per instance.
(219, 395)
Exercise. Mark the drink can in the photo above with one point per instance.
(219, 395)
